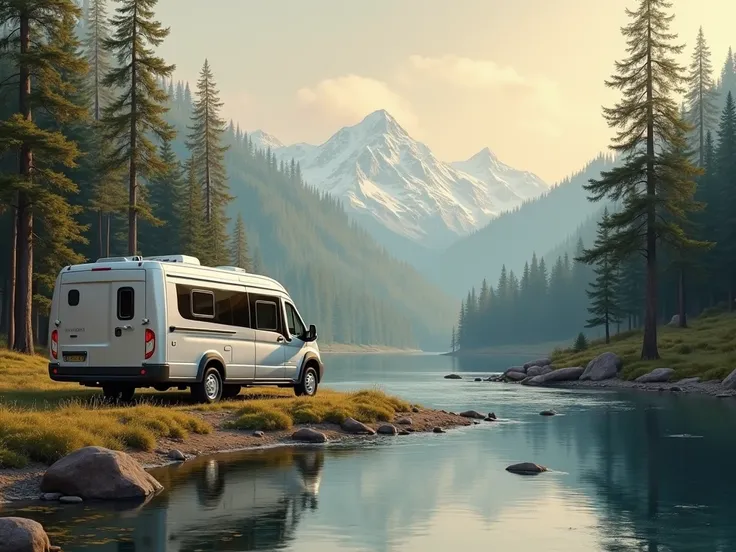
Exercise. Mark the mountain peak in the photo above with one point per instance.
(484, 154)
(381, 121)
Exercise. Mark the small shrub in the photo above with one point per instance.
(684, 349)
(12, 460)
(581, 343)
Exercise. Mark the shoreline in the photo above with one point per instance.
(23, 485)
(709, 388)
(337, 349)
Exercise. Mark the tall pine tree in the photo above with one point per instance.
(40, 46)
(205, 143)
(647, 120)
(239, 246)
(701, 107)
(137, 113)
(193, 239)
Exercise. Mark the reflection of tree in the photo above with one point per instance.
(654, 487)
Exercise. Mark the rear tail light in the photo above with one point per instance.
(150, 343)
(55, 344)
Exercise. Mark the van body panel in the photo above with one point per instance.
(104, 313)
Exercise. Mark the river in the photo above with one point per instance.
(631, 471)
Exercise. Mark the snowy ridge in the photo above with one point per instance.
(263, 140)
(378, 170)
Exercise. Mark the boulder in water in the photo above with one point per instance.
(603, 367)
(472, 414)
(526, 468)
(730, 381)
(309, 435)
(357, 428)
(538, 362)
(658, 375)
(453, 376)
(23, 535)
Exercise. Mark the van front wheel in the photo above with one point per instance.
(210, 389)
(308, 385)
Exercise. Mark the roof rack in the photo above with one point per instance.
(119, 259)
(232, 269)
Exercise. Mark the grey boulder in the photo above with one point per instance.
(563, 374)
(96, 473)
(357, 428)
(23, 535)
(516, 376)
(526, 468)
(730, 381)
(689, 381)
(472, 414)
(538, 362)
(520, 369)
(387, 429)
(453, 376)
(658, 375)
(309, 435)
(603, 367)
(534, 371)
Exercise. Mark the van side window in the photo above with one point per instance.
(221, 306)
(296, 326)
(266, 313)
(73, 297)
(203, 303)
(126, 303)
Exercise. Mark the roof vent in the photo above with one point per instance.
(232, 269)
(185, 259)
(119, 259)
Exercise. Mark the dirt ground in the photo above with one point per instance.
(24, 484)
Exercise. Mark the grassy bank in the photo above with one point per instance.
(707, 348)
(42, 420)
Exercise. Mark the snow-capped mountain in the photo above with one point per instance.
(380, 172)
(264, 140)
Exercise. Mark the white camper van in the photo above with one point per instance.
(128, 322)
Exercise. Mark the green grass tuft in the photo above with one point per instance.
(707, 348)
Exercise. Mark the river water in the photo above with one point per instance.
(631, 471)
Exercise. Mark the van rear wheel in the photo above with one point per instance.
(210, 389)
(308, 385)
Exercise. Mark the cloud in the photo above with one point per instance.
(352, 97)
(481, 74)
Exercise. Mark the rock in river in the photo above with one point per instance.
(453, 376)
(404, 421)
(357, 428)
(387, 429)
(658, 375)
(472, 414)
(548, 413)
(526, 468)
(438, 430)
(309, 435)
(730, 381)
(23, 535)
(602, 367)
(96, 473)
(516, 376)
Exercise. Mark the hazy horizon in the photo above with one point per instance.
(525, 78)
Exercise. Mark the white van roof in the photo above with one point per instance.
(181, 265)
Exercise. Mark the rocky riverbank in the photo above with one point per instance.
(603, 372)
(25, 484)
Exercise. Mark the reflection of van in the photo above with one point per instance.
(163, 322)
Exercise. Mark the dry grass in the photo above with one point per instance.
(42, 420)
(706, 349)
(364, 406)
(46, 436)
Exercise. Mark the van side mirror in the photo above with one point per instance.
(311, 334)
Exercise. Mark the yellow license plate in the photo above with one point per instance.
(75, 358)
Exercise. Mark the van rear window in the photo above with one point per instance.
(126, 303)
(73, 297)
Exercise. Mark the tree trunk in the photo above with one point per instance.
(649, 346)
(107, 235)
(608, 333)
(133, 185)
(683, 309)
(23, 341)
(101, 240)
(12, 277)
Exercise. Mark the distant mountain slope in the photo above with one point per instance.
(381, 173)
(341, 279)
(263, 140)
(538, 225)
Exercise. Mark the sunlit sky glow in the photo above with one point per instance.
(523, 77)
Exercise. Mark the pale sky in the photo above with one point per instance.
(523, 77)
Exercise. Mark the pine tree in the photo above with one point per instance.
(581, 343)
(193, 239)
(725, 176)
(603, 292)
(647, 119)
(98, 57)
(138, 112)
(205, 143)
(239, 246)
(167, 192)
(453, 341)
(700, 98)
(39, 58)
